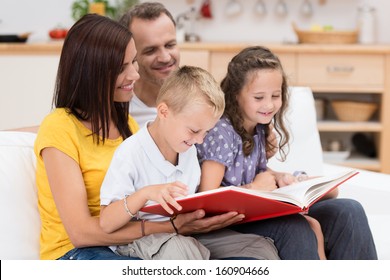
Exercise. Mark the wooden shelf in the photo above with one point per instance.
(338, 126)
(347, 89)
(360, 162)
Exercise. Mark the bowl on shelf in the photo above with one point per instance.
(353, 111)
(326, 36)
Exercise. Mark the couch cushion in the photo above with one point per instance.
(305, 152)
(19, 217)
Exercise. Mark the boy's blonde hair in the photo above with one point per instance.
(189, 85)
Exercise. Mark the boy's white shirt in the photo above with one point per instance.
(138, 162)
(140, 112)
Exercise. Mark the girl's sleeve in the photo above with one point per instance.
(218, 146)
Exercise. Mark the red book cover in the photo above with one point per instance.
(258, 205)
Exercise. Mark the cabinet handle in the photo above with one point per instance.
(340, 69)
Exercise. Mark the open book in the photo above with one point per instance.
(258, 205)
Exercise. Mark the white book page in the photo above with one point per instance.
(303, 193)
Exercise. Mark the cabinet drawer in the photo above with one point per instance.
(350, 71)
(219, 62)
(288, 61)
(198, 58)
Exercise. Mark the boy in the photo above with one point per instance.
(160, 163)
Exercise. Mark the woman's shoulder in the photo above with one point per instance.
(58, 129)
(59, 117)
(134, 127)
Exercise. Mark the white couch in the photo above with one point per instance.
(19, 217)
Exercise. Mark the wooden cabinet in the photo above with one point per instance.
(218, 63)
(341, 72)
(354, 77)
(198, 58)
(220, 59)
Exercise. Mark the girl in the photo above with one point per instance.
(234, 151)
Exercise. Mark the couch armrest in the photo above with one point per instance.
(19, 216)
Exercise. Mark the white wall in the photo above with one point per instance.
(26, 89)
(38, 16)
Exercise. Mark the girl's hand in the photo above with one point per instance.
(285, 179)
(265, 181)
(165, 194)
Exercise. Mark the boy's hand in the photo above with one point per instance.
(165, 194)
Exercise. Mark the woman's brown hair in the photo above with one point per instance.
(90, 63)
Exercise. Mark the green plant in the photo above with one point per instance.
(81, 7)
(123, 6)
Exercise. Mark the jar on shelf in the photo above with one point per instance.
(367, 24)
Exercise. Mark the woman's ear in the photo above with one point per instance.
(162, 110)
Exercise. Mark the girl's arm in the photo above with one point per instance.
(213, 172)
(212, 175)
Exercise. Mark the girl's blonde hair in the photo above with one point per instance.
(190, 85)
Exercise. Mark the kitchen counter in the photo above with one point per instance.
(54, 47)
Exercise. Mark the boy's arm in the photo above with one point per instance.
(118, 213)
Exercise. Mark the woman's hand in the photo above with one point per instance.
(165, 194)
(196, 222)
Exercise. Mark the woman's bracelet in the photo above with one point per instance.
(173, 224)
(127, 208)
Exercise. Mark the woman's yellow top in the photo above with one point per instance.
(66, 133)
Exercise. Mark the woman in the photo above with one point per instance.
(76, 142)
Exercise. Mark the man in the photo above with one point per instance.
(154, 32)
